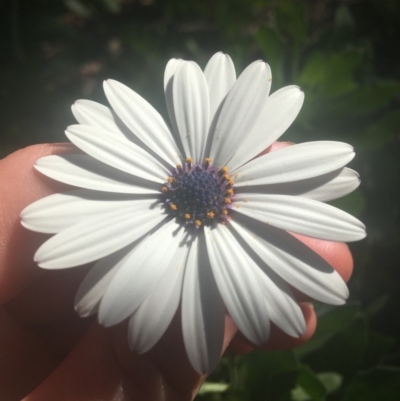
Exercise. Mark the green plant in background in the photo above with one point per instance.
(342, 55)
(344, 361)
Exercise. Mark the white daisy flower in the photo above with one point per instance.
(189, 216)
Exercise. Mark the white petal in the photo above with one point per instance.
(95, 283)
(297, 162)
(238, 285)
(143, 120)
(278, 113)
(98, 236)
(323, 188)
(85, 172)
(293, 261)
(116, 152)
(140, 272)
(60, 211)
(202, 310)
(220, 75)
(95, 114)
(240, 111)
(152, 318)
(170, 70)
(340, 185)
(301, 215)
(192, 108)
(283, 309)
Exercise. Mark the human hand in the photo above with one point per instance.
(49, 353)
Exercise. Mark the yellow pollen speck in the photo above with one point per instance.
(224, 212)
(179, 166)
(210, 215)
(188, 160)
(173, 206)
(170, 179)
(197, 223)
(164, 189)
(229, 192)
(227, 200)
(224, 169)
(187, 216)
(208, 160)
(230, 181)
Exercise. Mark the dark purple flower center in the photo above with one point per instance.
(198, 194)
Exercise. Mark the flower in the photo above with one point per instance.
(190, 216)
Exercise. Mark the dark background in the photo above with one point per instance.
(345, 55)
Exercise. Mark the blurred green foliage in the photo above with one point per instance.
(344, 55)
(344, 361)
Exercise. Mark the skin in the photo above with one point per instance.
(49, 353)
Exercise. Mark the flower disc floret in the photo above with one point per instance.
(198, 194)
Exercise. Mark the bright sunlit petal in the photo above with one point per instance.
(301, 216)
(149, 322)
(241, 108)
(142, 119)
(192, 108)
(95, 114)
(294, 163)
(139, 273)
(220, 75)
(238, 286)
(202, 310)
(279, 111)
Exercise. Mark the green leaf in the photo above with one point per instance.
(273, 47)
(342, 353)
(378, 384)
(353, 203)
(382, 132)
(343, 17)
(374, 307)
(299, 394)
(361, 102)
(367, 98)
(331, 381)
(113, 6)
(291, 17)
(378, 346)
(269, 375)
(329, 324)
(309, 382)
(331, 75)
(78, 8)
(209, 387)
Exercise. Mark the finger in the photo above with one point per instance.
(276, 146)
(337, 254)
(45, 308)
(17, 344)
(31, 349)
(90, 372)
(278, 339)
(23, 186)
(103, 367)
(47, 293)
